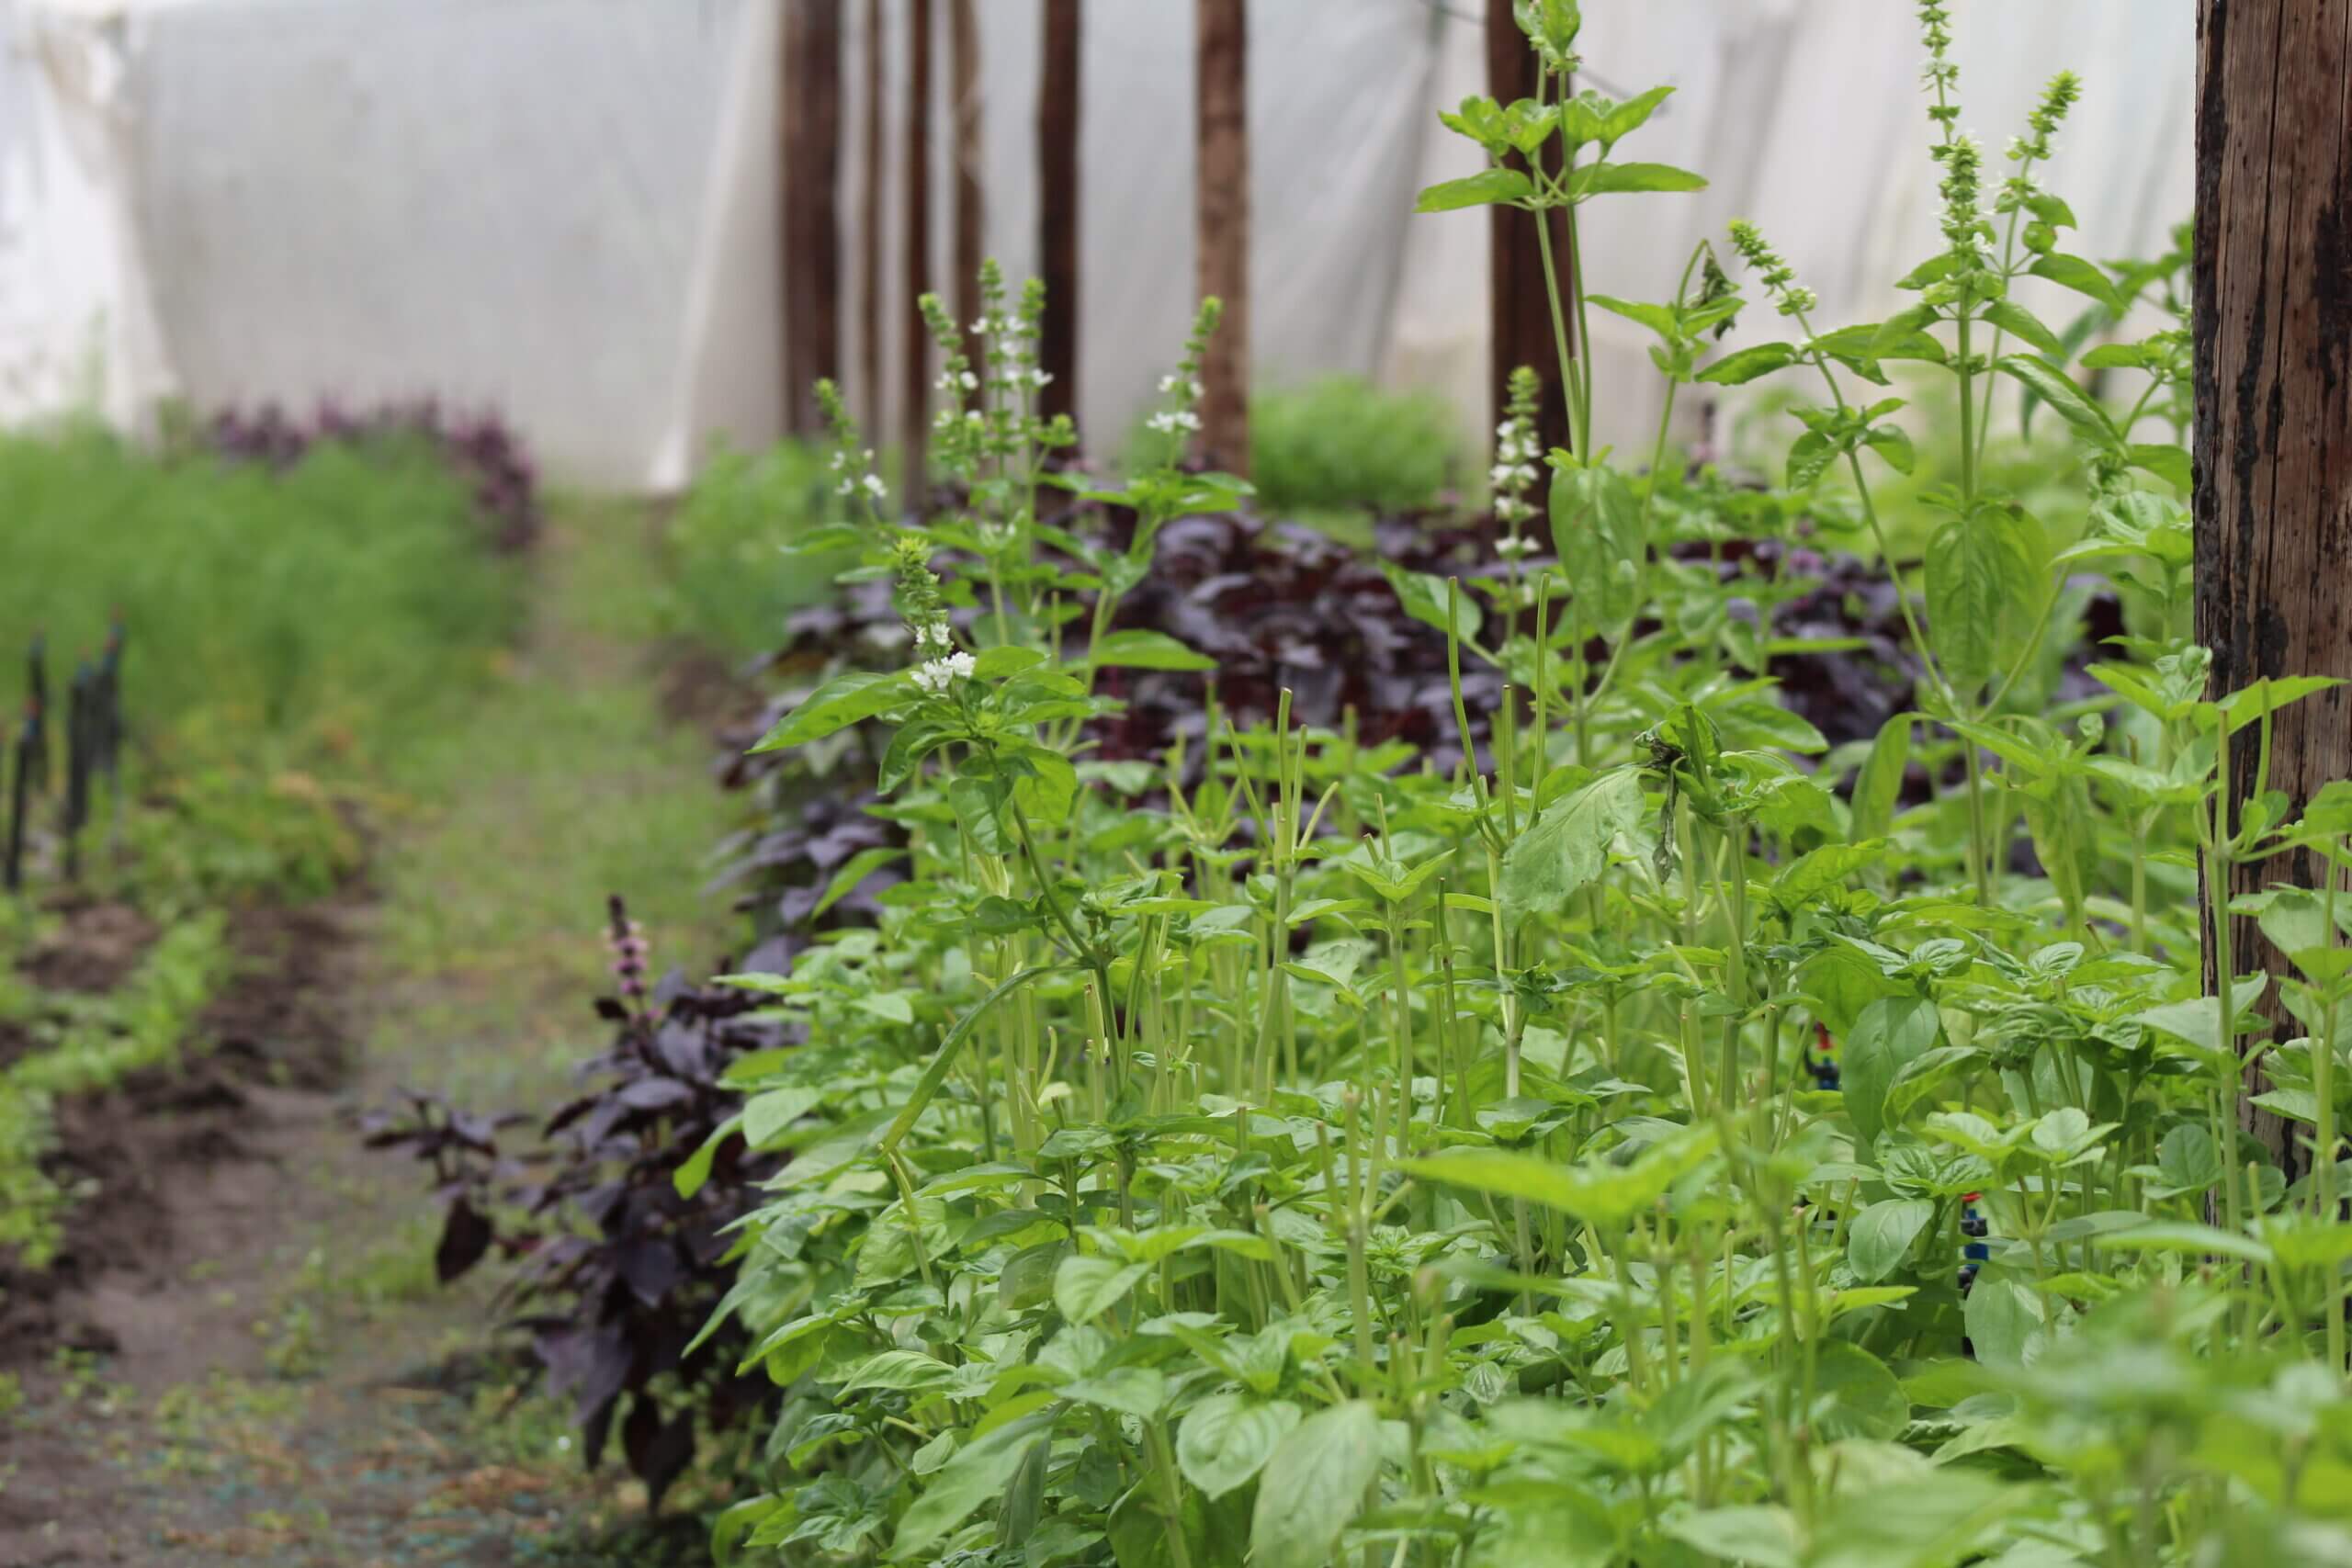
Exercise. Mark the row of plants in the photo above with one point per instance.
(310, 604)
(293, 587)
(1283, 609)
(62, 1045)
(479, 448)
(1297, 1159)
(1639, 1121)
(1339, 453)
(307, 614)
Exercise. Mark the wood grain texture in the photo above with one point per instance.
(1222, 257)
(971, 209)
(811, 269)
(1518, 304)
(914, 434)
(873, 287)
(1059, 97)
(2273, 329)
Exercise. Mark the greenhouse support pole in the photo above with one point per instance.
(971, 212)
(811, 98)
(2273, 340)
(872, 287)
(914, 438)
(1519, 301)
(1222, 196)
(1058, 172)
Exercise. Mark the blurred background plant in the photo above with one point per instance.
(302, 602)
(724, 588)
(1341, 444)
(310, 605)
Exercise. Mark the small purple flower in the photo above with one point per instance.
(627, 939)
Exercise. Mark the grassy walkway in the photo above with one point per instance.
(292, 1402)
(563, 785)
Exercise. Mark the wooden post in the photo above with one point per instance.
(1518, 304)
(971, 235)
(1222, 260)
(2273, 329)
(811, 90)
(1057, 173)
(873, 286)
(792, 326)
(915, 415)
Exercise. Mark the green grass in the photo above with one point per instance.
(560, 785)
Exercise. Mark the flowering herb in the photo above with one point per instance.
(1648, 1136)
(620, 1272)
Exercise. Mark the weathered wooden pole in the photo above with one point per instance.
(872, 287)
(1058, 100)
(811, 88)
(971, 212)
(1519, 301)
(2273, 329)
(915, 414)
(1222, 260)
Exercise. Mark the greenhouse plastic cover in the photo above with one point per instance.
(566, 210)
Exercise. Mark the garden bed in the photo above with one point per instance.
(1667, 1024)
(266, 1045)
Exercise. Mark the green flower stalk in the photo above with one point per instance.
(855, 479)
(1178, 418)
(2035, 147)
(925, 609)
(1777, 276)
(1515, 454)
(1940, 75)
(1963, 224)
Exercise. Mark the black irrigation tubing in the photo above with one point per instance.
(12, 873)
(107, 720)
(37, 678)
(93, 741)
(80, 709)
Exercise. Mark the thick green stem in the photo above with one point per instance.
(1980, 866)
(2324, 1153)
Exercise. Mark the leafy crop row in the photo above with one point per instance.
(292, 616)
(292, 587)
(92, 1045)
(1712, 1092)
(289, 612)
(1614, 1145)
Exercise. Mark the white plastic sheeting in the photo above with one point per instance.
(567, 209)
(77, 327)
(1808, 117)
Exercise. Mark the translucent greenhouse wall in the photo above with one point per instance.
(569, 210)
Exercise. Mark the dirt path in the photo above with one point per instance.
(257, 1365)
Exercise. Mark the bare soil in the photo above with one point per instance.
(240, 1356)
(174, 1166)
(156, 1427)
